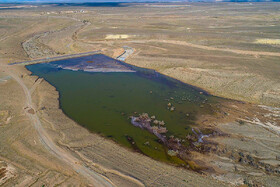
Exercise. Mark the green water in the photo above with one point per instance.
(103, 102)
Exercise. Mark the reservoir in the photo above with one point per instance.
(101, 94)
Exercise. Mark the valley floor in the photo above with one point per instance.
(219, 47)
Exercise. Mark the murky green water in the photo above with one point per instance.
(103, 102)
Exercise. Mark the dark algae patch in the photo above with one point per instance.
(106, 102)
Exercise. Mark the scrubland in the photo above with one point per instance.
(229, 49)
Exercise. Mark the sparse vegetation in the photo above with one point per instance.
(228, 49)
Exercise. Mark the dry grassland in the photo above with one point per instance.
(217, 47)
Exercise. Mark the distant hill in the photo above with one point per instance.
(88, 2)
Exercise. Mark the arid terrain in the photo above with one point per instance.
(231, 50)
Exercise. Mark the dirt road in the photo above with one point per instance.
(93, 177)
(236, 51)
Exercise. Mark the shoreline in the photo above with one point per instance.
(195, 86)
(212, 92)
(105, 139)
(103, 135)
(111, 142)
(244, 149)
(127, 149)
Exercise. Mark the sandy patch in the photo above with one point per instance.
(4, 117)
(117, 36)
(268, 41)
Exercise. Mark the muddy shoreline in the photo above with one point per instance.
(199, 163)
(142, 69)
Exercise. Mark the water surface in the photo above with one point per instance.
(102, 102)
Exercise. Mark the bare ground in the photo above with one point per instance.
(206, 47)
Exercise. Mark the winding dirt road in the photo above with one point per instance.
(93, 177)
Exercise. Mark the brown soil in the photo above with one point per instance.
(31, 111)
(2, 172)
